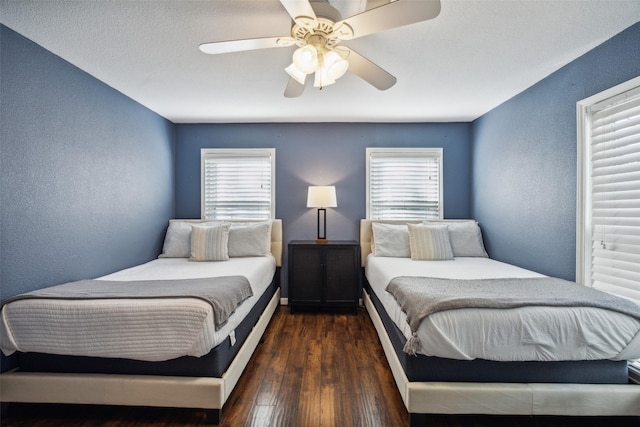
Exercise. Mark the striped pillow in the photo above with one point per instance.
(210, 243)
(429, 243)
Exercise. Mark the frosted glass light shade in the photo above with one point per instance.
(306, 59)
(334, 65)
(294, 72)
(321, 79)
(322, 196)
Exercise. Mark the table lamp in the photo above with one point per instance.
(322, 197)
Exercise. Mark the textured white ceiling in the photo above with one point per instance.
(471, 58)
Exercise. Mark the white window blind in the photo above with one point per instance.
(238, 183)
(608, 247)
(615, 195)
(404, 183)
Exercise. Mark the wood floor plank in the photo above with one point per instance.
(309, 408)
(374, 395)
(241, 403)
(286, 410)
(328, 414)
(275, 328)
(311, 376)
(272, 381)
(260, 416)
(309, 405)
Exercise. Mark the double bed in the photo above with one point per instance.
(168, 350)
(517, 360)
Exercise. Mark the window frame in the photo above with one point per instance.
(432, 152)
(584, 188)
(238, 152)
(583, 196)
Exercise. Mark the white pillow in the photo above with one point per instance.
(210, 243)
(250, 239)
(466, 239)
(177, 240)
(391, 240)
(430, 242)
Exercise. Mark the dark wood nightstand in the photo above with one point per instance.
(324, 275)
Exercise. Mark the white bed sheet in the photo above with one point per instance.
(151, 330)
(528, 333)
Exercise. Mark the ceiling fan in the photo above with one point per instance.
(318, 30)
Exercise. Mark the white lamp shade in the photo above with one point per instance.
(334, 65)
(321, 79)
(294, 72)
(322, 196)
(306, 59)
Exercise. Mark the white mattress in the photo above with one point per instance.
(528, 333)
(151, 330)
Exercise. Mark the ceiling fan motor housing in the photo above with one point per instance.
(326, 30)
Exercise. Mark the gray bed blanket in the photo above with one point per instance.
(420, 297)
(224, 294)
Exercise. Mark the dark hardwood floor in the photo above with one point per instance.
(313, 369)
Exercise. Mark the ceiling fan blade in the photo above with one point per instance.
(215, 48)
(294, 89)
(368, 71)
(301, 12)
(370, 4)
(391, 15)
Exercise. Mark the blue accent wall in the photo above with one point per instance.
(323, 154)
(525, 160)
(87, 173)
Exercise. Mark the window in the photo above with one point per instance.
(608, 246)
(237, 183)
(404, 183)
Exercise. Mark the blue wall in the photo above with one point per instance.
(323, 154)
(87, 174)
(524, 160)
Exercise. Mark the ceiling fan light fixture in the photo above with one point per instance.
(317, 31)
(295, 73)
(306, 59)
(322, 79)
(334, 65)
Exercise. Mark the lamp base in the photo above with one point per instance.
(322, 226)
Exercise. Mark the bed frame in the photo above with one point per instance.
(205, 393)
(422, 398)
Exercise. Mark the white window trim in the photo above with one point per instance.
(583, 199)
(583, 231)
(239, 152)
(435, 152)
